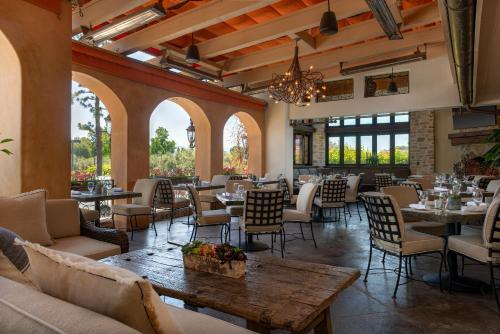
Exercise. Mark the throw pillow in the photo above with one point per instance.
(111, 291)
(14, 263)
(24, 215)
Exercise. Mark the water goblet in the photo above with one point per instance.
(91, 186)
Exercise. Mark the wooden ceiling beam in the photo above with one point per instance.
(294, 22)
(305, 37)
(332, 58)
(99, 11)
(356, 33)
(193, 20)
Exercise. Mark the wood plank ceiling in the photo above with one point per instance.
(241, 42)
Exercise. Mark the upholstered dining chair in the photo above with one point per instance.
(351, 193)
(493, 186)
(402, 194)
(332, 196)
(237, 210)
(166, 201)
(382, 180)
(204, 218)
(303, 212)
(263, 214)
(389, 233)
(304, 178)
(209, 196)
(481, 245)
(140, 206)
(427, 181)
(287, 188)
(483, 182)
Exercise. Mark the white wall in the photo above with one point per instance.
(431, 87)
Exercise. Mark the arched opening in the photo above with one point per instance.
(10, 114)
(100, 99)
(254, 143)
(170, 151)
(236, 147)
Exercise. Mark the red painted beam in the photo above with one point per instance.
(51, 5)
(130, 69)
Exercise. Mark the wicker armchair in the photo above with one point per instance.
(112, 236)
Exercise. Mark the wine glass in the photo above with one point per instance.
(91, 186)
(235, 187)
(477, 197)
(423, 196)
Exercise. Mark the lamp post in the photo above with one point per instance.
(191, 134)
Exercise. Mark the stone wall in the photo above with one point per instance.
(422, 152)
(318, 145)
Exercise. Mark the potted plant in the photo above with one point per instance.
(221, 259)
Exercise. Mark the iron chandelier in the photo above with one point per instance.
(297, 86)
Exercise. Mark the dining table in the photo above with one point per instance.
(233, 199)
(105, 195)
(454, 220)
(200, 186)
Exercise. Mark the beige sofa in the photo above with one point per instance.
(25, 310)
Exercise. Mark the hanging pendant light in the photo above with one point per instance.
(328, 25)
(393, 87)
(191, 134)
(192, 54)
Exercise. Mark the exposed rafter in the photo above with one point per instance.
(198, 18)
(334, 57)
(356, 33)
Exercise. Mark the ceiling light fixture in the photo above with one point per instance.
(328, 25)
(385, 18)
(296, 86)
(126, 24)
(392, 87)
(192, 54)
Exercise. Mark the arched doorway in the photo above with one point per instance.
(10, 114)
(110, 106)
(170, 154)
(236, 147)
(254, 143)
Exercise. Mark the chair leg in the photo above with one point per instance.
(493, 285)
(357, 207)
(440, 271)
(406, 266)
(239, 237)
(349, 209)
(246, 241)
(154, 225)
(131, 227)
(369, 263)
(281, 244)
(113, 220)
(312, 233)
(463, 264)
(383, 258)
(221, 233)
(272, 243)
(302, 232)
(171, 219)
(345, 217)
(399, 276)
(410, 266)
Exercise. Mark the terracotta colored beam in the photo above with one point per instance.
(51, 5)
(130, 69)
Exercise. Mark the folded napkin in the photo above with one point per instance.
(440, 189)
(472, 207)
(117, 190)
(76, 192)
(262, 179)
(417, 206)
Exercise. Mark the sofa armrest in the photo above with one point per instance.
(112, 236)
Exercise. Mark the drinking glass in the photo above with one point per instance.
(423, 196)
(241, 190)
(235, 187)
(91, 186)
(477, 197)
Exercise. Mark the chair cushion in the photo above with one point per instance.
(25, 214)
(111, 291)
(214, 217)
(235, 210)
(471, 245)
(25, 310)
(147, 188)
(194, 322)
(293, 199)
(63, 218)
(319, 202)
(414, 243)
(90, 215)
(131, 209)
(181, 203)
(290, 215)
(259, 228)
(85, 246)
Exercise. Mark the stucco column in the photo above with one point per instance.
(137, 158)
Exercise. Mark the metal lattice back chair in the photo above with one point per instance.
(288, 196)
(389, 234)
(483, 182)
(382, 180)
(332, 196)
(166, 201)
(263, 214)
(411, 184)
(236, 177)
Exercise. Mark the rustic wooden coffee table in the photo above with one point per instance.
(275, 293)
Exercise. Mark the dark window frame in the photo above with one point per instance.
(309, 148)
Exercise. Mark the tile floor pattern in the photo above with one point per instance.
(364, 308)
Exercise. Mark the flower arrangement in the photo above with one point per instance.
(222, 259)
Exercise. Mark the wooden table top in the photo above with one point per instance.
(275, 293)
(92, 197)
(229, 200)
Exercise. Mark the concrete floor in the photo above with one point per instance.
(365, 307)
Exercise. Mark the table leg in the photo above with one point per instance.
(325, 325)
(253, 246)
(97, 206)
(256, 327)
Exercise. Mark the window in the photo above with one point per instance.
(334, 150)
(368, 140)
(337, 90)
(384, 149)
(366, 149)
(301, 149)
(350, 150)
(334, 121)
(401, 151)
